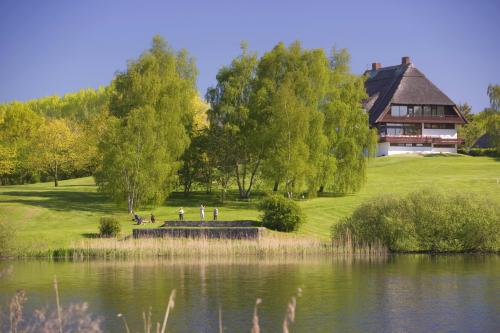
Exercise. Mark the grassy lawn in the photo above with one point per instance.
(46, 216)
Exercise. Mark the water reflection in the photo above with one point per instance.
(417, 293)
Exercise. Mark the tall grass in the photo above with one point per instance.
(7, 238)
(75, 318)
(203, 247)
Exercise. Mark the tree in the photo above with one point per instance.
(55, 147)
(350, 139)
(494, 95)
(195, 163)
(18, 128)
(151, 107)
(233, 124)
(471, 132)
(466, 110)
(292, 117)
(493, 129)
(289, 92)
(492, 115)
(7, 159)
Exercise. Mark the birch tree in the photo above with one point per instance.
(152, 106)
(234, 124)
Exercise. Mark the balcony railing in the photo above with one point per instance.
(419, 139)
(447, 119)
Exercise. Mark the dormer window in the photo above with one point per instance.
(420, 111)
(399, 110)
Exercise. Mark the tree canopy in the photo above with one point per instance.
(290, 120)
(152, 107)
(293, 117)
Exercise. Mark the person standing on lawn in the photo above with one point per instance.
(181, 214)
(216, 213)
(202, 212)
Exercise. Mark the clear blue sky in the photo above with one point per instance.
(54, 47)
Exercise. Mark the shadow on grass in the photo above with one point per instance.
(333, 195)
(76, 185)
(91, 235)
(195, 199)
(63, 200)
(443, 155)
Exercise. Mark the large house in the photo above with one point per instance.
(411, 114)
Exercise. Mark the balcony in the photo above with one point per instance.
(447, 119)
(418, 139)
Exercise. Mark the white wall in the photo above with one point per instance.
(384, 149)
(395, 150)
(443, 133)
(444, 150)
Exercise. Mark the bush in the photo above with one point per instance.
(425, 220)
(7, 235)
(491, 152)
(109, 226)
(280, 214)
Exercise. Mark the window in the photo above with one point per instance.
(439, 126)
(403, 110)
(410, 145)
(399, 110)
(395, 110)
(440, 111)
(441, 145)
(417, 110)
(392, 129)
(427, 111)
(434, 111)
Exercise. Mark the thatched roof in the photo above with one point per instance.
(401, 84)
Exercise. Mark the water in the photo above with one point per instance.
(393, 294)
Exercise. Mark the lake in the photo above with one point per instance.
(399, 293)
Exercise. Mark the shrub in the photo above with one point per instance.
(109, 226)
(425, 220)
(7, 235)
(491, 152)
(280, 213)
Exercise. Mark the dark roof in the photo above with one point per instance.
(401, 84)
(483, 142)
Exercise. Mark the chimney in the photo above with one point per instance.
(405, 61)
(376, 65)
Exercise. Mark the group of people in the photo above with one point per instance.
(140, 220)
(202, 213)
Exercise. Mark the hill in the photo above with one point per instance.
(46, 216)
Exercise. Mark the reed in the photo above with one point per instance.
(76, 319)
(204, 247)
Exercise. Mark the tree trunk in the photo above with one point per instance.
(130, 202)
(56, 183)
(321, 189)
(276, 185)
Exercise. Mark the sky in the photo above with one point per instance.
(55, 47)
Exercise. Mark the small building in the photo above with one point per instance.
(484, 142)
(410, 113)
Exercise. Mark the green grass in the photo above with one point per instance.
(49, 217)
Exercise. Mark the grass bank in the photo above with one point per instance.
(48, 218)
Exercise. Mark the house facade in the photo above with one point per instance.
(410, 113)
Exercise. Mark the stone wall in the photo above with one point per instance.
(228, 233)
(225, 224)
